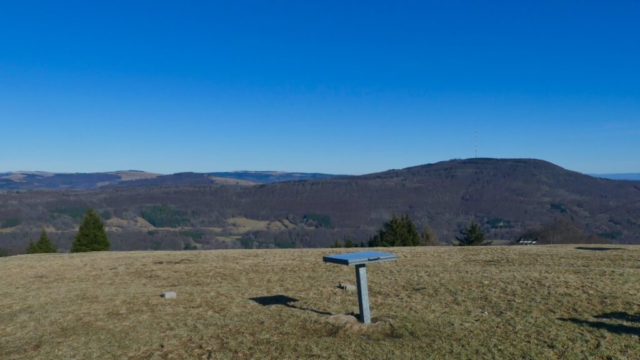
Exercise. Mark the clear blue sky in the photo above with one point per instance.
(318, 86)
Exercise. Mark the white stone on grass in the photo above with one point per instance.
(169, 295)
(347, 286)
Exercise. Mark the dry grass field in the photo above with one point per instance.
(538, 302)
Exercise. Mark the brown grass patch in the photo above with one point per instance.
(242, 225)
(536, 302)
(17, 177)
(231, 181)
(134, 175)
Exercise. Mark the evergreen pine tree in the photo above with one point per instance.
(337, 244)
(32, 249)
(91, 236)
(376, 240)
(473, 236)
(349, 243)
(399, 231)
(410, 235)
(394, 232)
(44, 244)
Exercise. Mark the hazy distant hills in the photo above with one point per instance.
(627, 176)
(35, 180)
(505, 196)
(32, 180)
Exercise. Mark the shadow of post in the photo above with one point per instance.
(284, 301)
(619, 316)
(597, 248)
(612, 328)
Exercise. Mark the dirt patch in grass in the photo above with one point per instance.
(536, 302)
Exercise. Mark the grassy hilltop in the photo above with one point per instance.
(538, 302)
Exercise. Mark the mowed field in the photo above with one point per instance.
(536, 302)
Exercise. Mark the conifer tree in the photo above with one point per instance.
(45, 245)
(32, 249)
(473, 236)
(410, 235)
(349, 243)
(399, 231)
(91, 236)
(42, 246)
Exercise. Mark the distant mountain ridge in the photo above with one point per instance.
(622, 176)
(508, 198)
(269, 177)
(41, 180)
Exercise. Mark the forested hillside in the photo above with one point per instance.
(507, 197)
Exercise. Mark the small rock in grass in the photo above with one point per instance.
(169, 295)
(346, 286)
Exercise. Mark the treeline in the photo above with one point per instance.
(91, 236)
(402, 231)
(399, 231)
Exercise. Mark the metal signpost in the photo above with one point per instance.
(360, 260)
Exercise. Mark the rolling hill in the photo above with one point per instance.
(40, 180)
(625, 176)
(507, 197)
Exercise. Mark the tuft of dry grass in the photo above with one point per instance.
(536, 302)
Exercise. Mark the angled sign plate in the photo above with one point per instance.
(359, 258)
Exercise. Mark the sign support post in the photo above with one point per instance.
(360, 260)
(363, 294)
